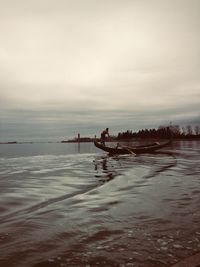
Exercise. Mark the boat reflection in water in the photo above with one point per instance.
(110, 166)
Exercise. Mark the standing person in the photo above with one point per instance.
(103, 135)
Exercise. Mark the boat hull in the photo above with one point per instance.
(132, 150)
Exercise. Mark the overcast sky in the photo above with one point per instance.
(80, 65)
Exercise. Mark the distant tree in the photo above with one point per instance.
(189, 130)
(197, 130)
(184, 131)
(164, 132)
(176, 130)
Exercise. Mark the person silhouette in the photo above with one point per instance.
(103, 135)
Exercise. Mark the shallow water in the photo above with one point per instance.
(72, 205)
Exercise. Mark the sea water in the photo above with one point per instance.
(73, 205)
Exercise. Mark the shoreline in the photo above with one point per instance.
(93, 139)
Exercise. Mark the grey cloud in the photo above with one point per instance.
(70, 65)
(56, 125)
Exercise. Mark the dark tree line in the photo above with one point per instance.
(176, 132)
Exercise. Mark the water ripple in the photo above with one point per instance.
(88, 209)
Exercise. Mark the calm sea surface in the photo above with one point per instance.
(72, 205)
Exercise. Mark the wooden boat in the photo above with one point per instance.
(132, 150)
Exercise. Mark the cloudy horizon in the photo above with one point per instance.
(79, 66)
